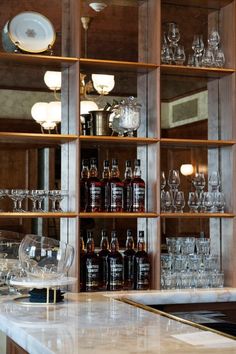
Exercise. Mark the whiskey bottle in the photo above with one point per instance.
(116, 189)
(129, 254)
(106, 186)
(83, 185)
(141, 265)
(115, 265)
(138, 189)
(92, 275)
(103, 254)
(94, 187)
(128, 186)
(82, 260)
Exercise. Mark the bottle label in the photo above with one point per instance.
(129, 268)
(138, 196)
(95, 196)
(92, 274)
(143, 274)
(116, 272)
(117, 196)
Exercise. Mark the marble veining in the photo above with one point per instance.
(99, 323)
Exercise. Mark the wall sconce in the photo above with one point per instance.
(98, 5)
(48, 115)
(186, 169)
(103, 84)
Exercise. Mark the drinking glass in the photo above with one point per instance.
(193, 202)
(179, 263)
(199, 181)
(17, 195)
(203, 246)
(173, 34)
(208, 201)
(214, 181)
(198, 47)
(211, 263)
(219, 202)
(219, 58)
(3, 193)
(56, 196)
(163, 180)
(166, 54)
(214, 39)
(194, 262)
(167, 201)
(208, 58)
(179, 55)
(166, 261)
(187, 245)
(37, 196)
(179, 202)
(173, 245)
(173, 182)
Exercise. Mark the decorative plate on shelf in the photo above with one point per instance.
(29, 31)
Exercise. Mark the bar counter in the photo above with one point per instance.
(103, 323)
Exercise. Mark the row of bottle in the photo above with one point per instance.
(109, 269)
(111, 194)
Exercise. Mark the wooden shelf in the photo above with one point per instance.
(118, 140)
(196, 215)
(117, 215)
(31, 215)
(35, 59)
(196, 142)
(178, 70)
(35, 139)
(116, 65)
(209, 4)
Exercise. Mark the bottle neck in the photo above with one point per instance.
(115, 171)
(106, 173)
(129, 243)
(128, 173)
(114, 244)
(81, 244)
(137, 172)
(93, 171)
(85, 172)
(90, 245)
(141, 244)
(104, 243)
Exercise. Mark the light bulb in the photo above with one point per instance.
(86, 106)
(103, 84)
(53, 80)
(186, 169)
(39, 112)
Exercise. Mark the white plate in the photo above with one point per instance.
(31, 31)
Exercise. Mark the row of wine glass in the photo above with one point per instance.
(207, 56)
(37, 196)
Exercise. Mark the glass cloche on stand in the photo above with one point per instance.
(126, 118)
(46, 262)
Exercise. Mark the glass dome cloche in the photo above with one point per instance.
(45, 258)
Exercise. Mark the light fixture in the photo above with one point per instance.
(48, 115)
(186, 169)
(103, 84)
(53, 80)
(86, 106)
(98, 6)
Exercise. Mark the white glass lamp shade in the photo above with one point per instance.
(186, 169)
(54, 112)
(86, 106)
(39, 112)
(49, 125)
(98, 6)
(53, 80)
(103, 84)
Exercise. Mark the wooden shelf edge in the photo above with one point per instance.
(169, 141)
(117, 139)
(45, 215)
(11, 137)
(85, 215)
(118, 64)
(197, 215)
(37, 58)
(183, 69)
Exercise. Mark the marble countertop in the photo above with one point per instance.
(100, 323)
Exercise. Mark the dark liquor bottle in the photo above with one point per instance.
(115, 265)
(106, 186)
(92, 275)
(138, 189)
(83, 185)
(129, 254)
(82, 260)
(94, 189)
(116, 189)
(103, 254)
(141, 265)
(128, 186)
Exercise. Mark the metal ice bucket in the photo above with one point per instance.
(100, 122)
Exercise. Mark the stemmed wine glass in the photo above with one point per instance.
(193, 202)
(198, 47)
(56, 196)
(3, 193)
(17, 195)
(173, 34)
(37, 196)
(214, 181)
(173, 182)
(179, 202)
(163, 180)
(199, 182)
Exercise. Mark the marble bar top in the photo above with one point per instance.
(99, 323)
